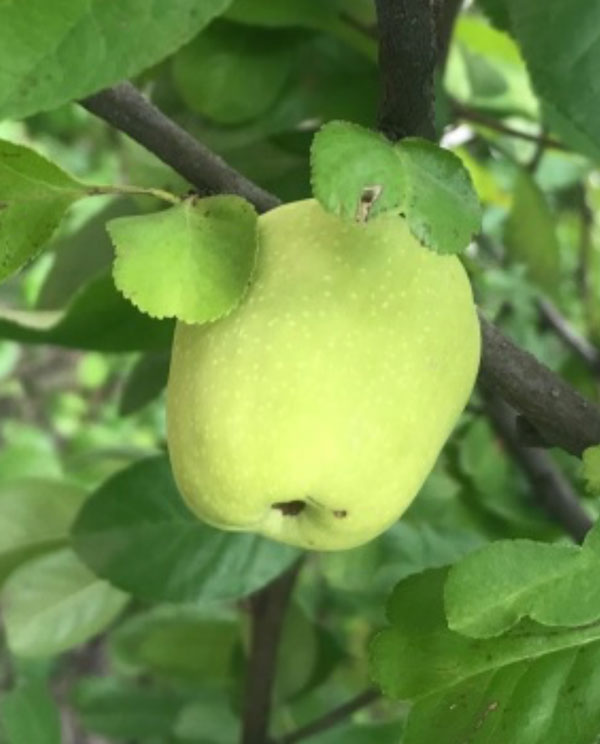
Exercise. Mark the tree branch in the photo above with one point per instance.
(268, 608)
(562, 416)
(551, 489)
(407, 60)
(129, 111)
(332, 718)
(446, 12)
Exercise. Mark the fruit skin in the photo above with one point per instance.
(335, 382)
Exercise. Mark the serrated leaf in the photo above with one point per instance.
(419, 655)
(591, 469)
(54, 602)
(51, 53)
(35, 516)
(136, 532)
(97, 318)
(243, 71)
(358, 174)
(530, 234)
(34, 195)
(192, 262)
(29, 715)
(551, 700)
(490, 590)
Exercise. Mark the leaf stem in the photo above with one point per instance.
(137, 190)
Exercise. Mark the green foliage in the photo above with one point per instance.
(192, 262)
(92, 40)
(359, 175)
(123, 610)
(195, 563)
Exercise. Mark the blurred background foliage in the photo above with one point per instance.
(82, 376)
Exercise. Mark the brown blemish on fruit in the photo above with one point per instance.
(289, 508)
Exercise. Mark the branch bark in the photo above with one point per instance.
(551, 489)
(129, 111)
(268, 608)
(407, 60)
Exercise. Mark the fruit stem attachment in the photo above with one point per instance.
(136, 190)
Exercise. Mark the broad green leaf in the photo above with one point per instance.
(561, 44)
(192, 262)
(145, 382)
(136, 532)
(591, 469)
(419, 655)
(298, 652)
(120, 709)
(181, 643)
(53, 603)
(97, 318)
(29, 715)
(34, 195)
(358, 174)
(244, 69)
(551, 700)
(493, 588)
(51, 53)
(530, 234)
(35, 516)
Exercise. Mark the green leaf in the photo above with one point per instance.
(29, 715)
(180, 643)
(98, 317)
(497, 12)
(358, 174)
(120, 709)
(54, 602)
(297, 656)
(551, 700)
(277, 14)
(419, 655)
(35, 516)
(591, 469)
(493, 588)
(561, 44)
(192, 262)
(212, 715)
(34, 195)
(530, 234)
(51, 53)
(244, 69)
(137, 532)
(145, 381)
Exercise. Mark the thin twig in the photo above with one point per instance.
(551, 489)
(407, 60)
(268, 608)
(332, 718)
(478, 117)
(128, 110)
(584, 349)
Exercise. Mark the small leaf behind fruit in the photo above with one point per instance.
(414, 179)
(34, 195)
(192, 262)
